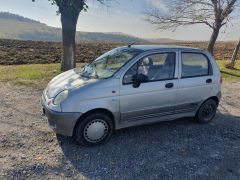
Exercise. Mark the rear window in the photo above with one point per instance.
(194, 65)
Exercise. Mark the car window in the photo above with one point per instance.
(129, 75)
(155, 67)
(109, 63)
(194, 65)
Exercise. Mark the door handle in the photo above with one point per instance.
(209, 81)
(169, 85)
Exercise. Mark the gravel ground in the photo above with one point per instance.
(180, 149)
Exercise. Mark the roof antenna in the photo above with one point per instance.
(129, 46)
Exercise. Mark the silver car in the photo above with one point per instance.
(130, 86)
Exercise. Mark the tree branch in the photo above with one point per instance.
(213, 13)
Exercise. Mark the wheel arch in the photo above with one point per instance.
(101, 110)
(215, 98)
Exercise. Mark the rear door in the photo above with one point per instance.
(195, 83)
(157, 96)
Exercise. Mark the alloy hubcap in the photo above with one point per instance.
(95, 130)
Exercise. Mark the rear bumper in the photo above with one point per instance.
(61, 123)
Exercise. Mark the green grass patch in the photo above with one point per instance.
(229, 74)
(35, 75)
(38, 75)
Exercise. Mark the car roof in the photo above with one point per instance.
(162, 47)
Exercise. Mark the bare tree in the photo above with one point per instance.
(234, 56)
(69, 10)
(213, 13)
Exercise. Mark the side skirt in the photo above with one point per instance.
(152, 120)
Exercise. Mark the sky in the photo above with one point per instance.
(126, 16)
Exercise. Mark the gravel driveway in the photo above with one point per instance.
(181, 149)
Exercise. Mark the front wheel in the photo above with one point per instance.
(207, 111)
(94, 129)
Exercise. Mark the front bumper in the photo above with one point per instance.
(62, 123)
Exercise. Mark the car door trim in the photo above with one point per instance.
(149, 113)
(189, 107)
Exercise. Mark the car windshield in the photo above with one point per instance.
(106, 65)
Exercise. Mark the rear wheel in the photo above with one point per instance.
(207, 111)
(94, 129)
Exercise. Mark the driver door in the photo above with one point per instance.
(156, 97)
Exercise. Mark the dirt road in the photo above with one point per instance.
(181, 149)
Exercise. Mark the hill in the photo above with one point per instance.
(13, 26)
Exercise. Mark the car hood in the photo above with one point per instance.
(67, 80)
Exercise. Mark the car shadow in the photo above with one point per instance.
(177, 149)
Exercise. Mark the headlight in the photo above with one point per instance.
(60, 97)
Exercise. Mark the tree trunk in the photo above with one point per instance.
(69, 47)
(234, 56)
(213, 39)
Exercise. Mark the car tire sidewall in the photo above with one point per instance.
(212, 102)
(79, 136)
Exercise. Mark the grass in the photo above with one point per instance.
(35, 75)
(229, 74)
(38, 75)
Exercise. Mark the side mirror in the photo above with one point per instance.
(138, 79)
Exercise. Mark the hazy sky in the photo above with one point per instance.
(125, 16)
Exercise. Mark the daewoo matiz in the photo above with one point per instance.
(131, 86)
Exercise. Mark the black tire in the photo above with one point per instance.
(207, 111)
(87, 124)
